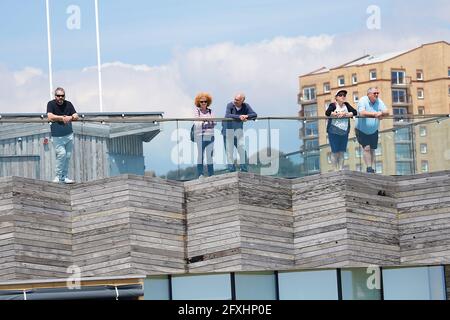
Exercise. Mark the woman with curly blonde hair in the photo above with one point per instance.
(204, 132)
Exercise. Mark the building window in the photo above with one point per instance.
(310, 110)
(355, 97)
(308, 285)
(421, 110)
(379, 167)
(423, 148)
(354, 78)
(398, 77)
(428, 284)
(201, 287)
(402, 135)
(326, 87)
(448, 72)
(403, 152)
(423, 131)
(341, 81)
(157, 288)
(419, 75)
(424, 166)
(399, 112)
(255, 286)
(309, 93)
(449, 90)
(420, 94)
(399, 96)
(403, 168)
(313, 163)
(373, 74)
(311, 128)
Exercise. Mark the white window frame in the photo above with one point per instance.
(421, 110)
(422, 131)
(308, 89)
(371, 73)
(326, 87)
(423, 148)
(355, 97)
(422, 95)
(339, 82)
(424, 163)
(404, 76)
(354, 78)
(421, 75)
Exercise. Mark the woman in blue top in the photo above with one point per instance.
(338, 127)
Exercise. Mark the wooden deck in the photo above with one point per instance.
(233, 222)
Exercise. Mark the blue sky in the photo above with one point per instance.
(173, 49)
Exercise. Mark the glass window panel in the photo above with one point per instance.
(423, 131)
(373, 74)
(309, 93)
(424, 166)
(379, 167)
(355, 285)
(421, 283)
(403, 168)
(341, 81)
(313, 163)
(255, 286)
(201, 287)
(156, 288)
(403, 152)
(398, 77)
(312, 128)
(354, 78)
(423, 148)
(310, 110)
(326, 87)
(308, 285)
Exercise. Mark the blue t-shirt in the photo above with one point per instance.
(369, 125)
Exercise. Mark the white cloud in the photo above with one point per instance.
(266, 71)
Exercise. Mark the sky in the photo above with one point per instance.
(157, 55)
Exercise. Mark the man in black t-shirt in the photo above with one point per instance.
(61, 113)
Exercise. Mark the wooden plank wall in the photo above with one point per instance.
(7, 250)
(232, 222)
(129, 225)
(213, 228)
(239, 222)
(101, 227)
(320, 221)
(157, 224)
(424, 218)
(40, 218)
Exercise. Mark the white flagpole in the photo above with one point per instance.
(49, 44)
(99, 66)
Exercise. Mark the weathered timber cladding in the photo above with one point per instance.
(232, 222)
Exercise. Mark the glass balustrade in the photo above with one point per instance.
(107, 145)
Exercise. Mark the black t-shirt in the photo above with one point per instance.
(59, 129)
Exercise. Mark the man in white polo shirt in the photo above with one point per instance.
(372, 109)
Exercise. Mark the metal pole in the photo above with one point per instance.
(49, 44)
(99, 66)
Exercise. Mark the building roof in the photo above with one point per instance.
(370, 59)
